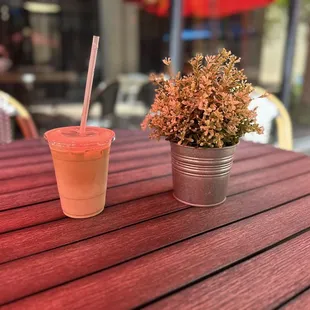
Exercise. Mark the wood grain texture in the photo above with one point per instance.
(29, 151)
(35, 238)
(144, 234)
(259, 177)
(236, 208)
(266, 161)
(48, 211)
(114, 195)
(253, 151)
(300, 302)
(35, 144)
(139, 153)
(151, 149)
(114, 179)
(26, 160)
(19, 171)
(121, 136)
(21, 144)
(241, 182)
(198, 257)
(35, 177)
(28, 197)
(31, 215)
(27, 182)
(263, 281)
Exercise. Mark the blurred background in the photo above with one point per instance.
(45, 45)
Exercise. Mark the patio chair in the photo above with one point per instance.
(120, 101)
(147, 94)
(106, 95)
(271, 109)
(10, 107)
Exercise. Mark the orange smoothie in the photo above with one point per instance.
(81, 168)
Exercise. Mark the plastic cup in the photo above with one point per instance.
(81, 168)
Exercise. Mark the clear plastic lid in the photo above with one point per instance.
(69, 137)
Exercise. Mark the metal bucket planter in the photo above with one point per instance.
(201, 175)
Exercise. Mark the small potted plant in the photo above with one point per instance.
(203, 115)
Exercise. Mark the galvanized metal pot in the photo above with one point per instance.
(200, 175)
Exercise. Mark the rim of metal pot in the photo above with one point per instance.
(205, 148)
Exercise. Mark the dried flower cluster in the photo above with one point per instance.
(207, 108)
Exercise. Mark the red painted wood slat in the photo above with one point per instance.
(121, 135)
(21, 144)
(135, 197)
(266, 161)
(300, 302)
(114, 195)
(235, 208)
(113, 167)
(248, 181)
(116, 147)
(114, 179)
(253, 150)
(9, 172)
(31, 215)
(29, 151)
(257, 178)
(129, 154)
(44, 166)
(275, 173)
(123, 139)
(20, 161)
(27, 182)
(13, 172)
(28, 197)
(198, 257)
(263, 282)
(113, 218)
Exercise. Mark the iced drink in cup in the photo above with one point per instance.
(81, 158)
(81, 167)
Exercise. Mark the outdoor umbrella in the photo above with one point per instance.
(203, 8)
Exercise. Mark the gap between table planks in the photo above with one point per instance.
(114, 165)
(150, 149)
(148, 166)
(12, 200)
(17, 199)
(8, 217)
(121, 135)
(264, 281)
(43, 148)
(121, 138)
(301, 301)
(262, 161)
(49, 211)
(117, 156)
(179, 222)
(35, 147)
(207, 252)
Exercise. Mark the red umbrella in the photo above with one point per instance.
(204, 8)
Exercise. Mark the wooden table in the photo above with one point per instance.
(147, 249)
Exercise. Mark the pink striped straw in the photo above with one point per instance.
(89, 83)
